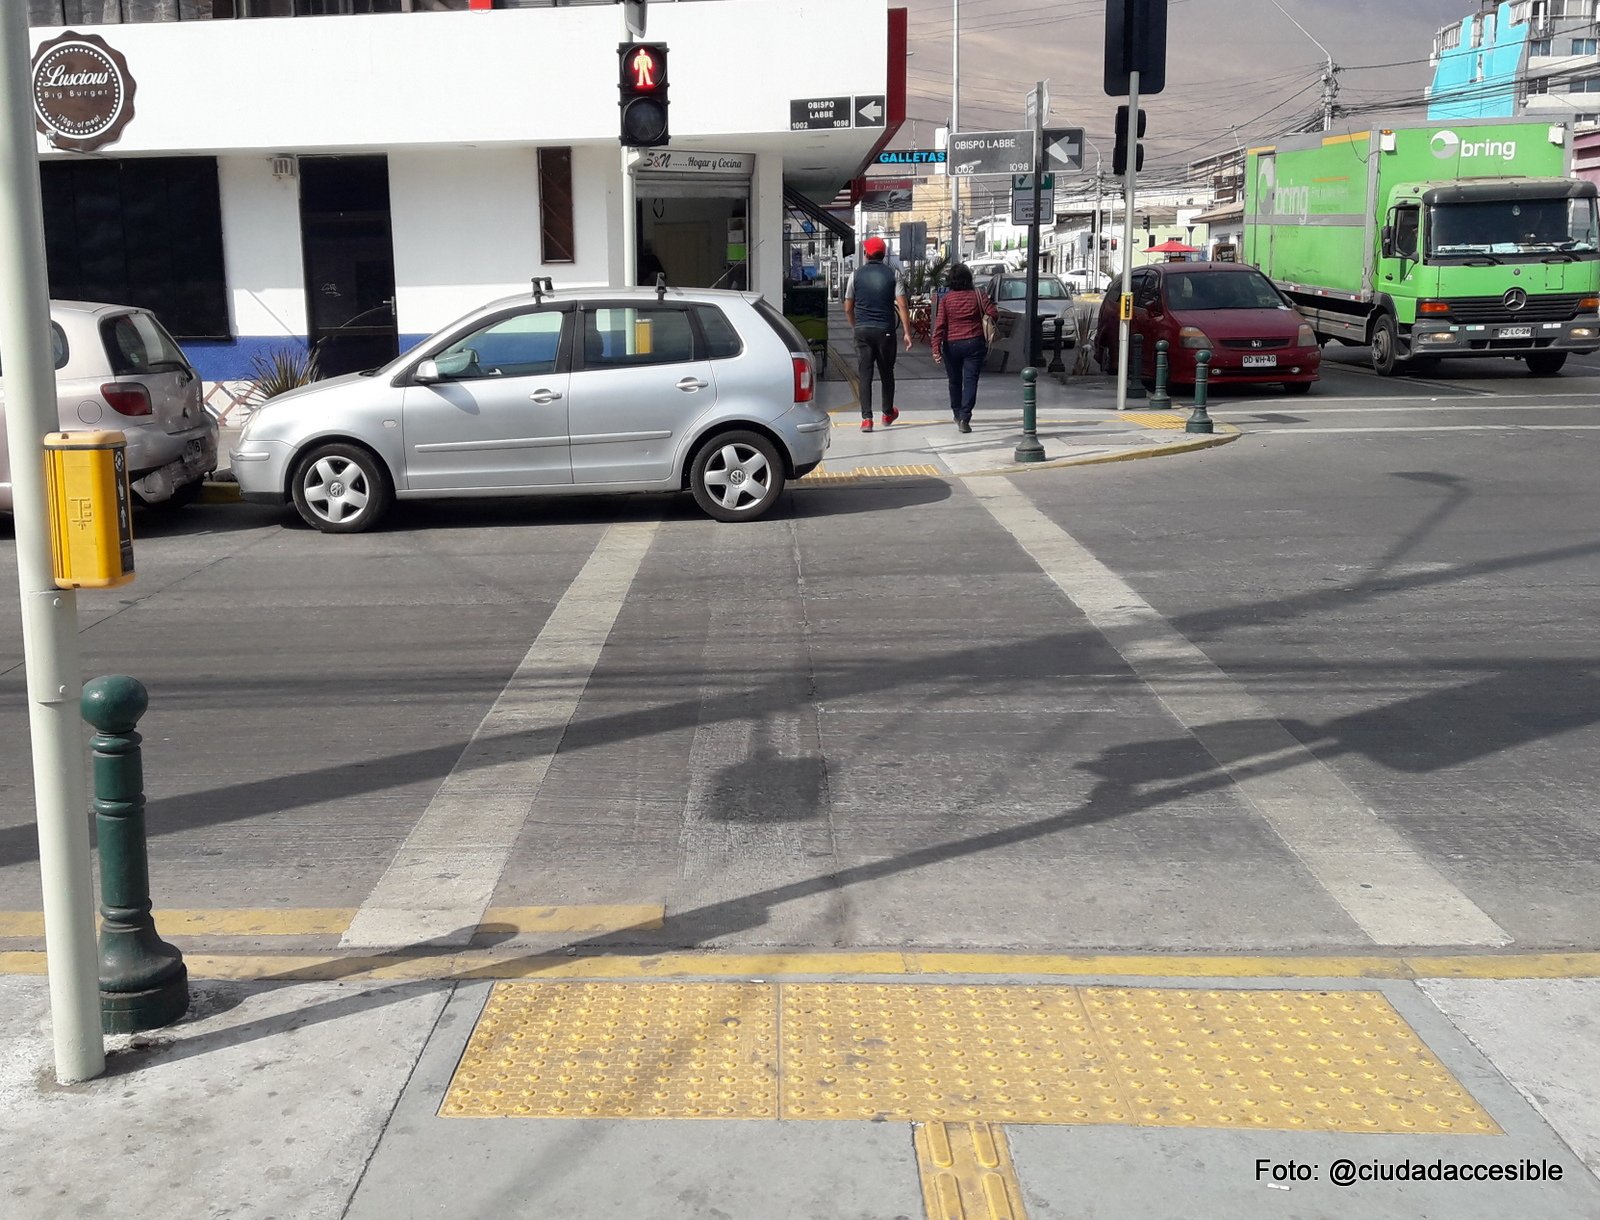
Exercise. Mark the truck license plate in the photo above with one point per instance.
(1260, 362)
(1515, 332)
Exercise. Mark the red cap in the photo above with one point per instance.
(873, 247)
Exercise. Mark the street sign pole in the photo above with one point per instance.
(1128, 184)
(1030, 344)
(49, 614)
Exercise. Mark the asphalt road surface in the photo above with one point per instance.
(1334, 685)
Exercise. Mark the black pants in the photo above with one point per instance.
(963, 363)
(875, 347)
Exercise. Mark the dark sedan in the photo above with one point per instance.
(1253, 333)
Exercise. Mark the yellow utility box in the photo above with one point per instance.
(91, 526)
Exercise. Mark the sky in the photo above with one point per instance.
(1229, 62)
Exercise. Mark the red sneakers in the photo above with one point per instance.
(866, 425)
(890, 416)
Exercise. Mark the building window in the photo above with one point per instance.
(1585, 46)
(1588, 84)
(1538, 84)
(555, 206)
(1539, 48)
(143, 231)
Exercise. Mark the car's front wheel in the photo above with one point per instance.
(736, 476)
(341, 489)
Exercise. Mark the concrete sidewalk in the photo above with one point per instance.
(1077, 420)
(872, 1085)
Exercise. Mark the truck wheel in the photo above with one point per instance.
(1545, 364)
(1386, 360)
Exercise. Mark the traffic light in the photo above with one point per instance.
(1119, 156)
(642, 81)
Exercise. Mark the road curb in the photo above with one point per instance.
(1100, 459)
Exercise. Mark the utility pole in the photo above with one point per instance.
(49, 614)
(955, 126)
(1330, 85)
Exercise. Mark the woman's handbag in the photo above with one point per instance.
(991, 331)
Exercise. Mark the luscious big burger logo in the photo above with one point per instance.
(82, 92)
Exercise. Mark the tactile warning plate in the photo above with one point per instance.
(1160, 420)
(620, 1050)
(1270, 1060)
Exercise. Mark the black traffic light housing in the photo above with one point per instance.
(1119, 155)
(642, 84)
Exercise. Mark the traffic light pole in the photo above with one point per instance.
(1128, 184)
(630, 219)
(49, 614)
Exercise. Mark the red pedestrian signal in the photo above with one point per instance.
(642, 82)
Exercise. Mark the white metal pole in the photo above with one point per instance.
(1129, 180)
(49, 614)
(630, 238)
(955, 126)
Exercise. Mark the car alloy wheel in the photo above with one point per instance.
(736, 476)
(341, 489)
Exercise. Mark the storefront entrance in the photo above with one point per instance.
(694, 219)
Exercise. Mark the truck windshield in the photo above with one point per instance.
(1512, 230)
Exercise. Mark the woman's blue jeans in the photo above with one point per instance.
(963, 363)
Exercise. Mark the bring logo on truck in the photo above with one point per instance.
(1447, 144)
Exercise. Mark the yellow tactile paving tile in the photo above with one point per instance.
(919, 471)
(615, 1050)
(1001, 1053)
(967, 1173)
(1156, 419)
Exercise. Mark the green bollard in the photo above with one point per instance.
(1200, 421)
(1028, 448)
(1161, 400)
(1136, 366)
(143, 981)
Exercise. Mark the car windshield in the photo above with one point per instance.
(1221, 290)
(1017, 290)
(1518, 229)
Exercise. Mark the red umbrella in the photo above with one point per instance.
(1172, 246)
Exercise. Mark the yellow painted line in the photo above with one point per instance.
(598, 918)
(1354, 137)
(967, 1173)
(334, 921)
(499, 963)
(1057, 1055)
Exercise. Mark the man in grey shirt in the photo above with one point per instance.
(873, 298)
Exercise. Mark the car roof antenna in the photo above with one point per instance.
(661, 285)
(542, 285)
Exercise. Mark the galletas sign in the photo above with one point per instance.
(82, 92)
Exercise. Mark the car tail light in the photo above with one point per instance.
(1307, 337)
(1434, 307)
(126, 398)
(1193, 336)
(804, 386)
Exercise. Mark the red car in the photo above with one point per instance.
(1253, 333)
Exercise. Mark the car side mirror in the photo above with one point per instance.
(426, 373)
(1388, 241)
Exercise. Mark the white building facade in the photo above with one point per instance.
(357, 182)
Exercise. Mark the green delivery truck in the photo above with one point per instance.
(1443, 239)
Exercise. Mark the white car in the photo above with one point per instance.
(603, 389)
(1083, 280)
(118, 369)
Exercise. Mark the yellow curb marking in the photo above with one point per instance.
(950, 1052)
(333, 921)
(416, 964)
(966, 1171)
(870, 472)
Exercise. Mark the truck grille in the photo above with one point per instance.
(1493, 309)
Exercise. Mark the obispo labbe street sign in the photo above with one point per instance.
(990, 152)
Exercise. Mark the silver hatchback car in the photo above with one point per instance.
(117, 368)
(611, 389)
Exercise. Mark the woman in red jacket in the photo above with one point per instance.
(958, 341)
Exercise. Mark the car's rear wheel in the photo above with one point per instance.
(341, 489)
(736, 476)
